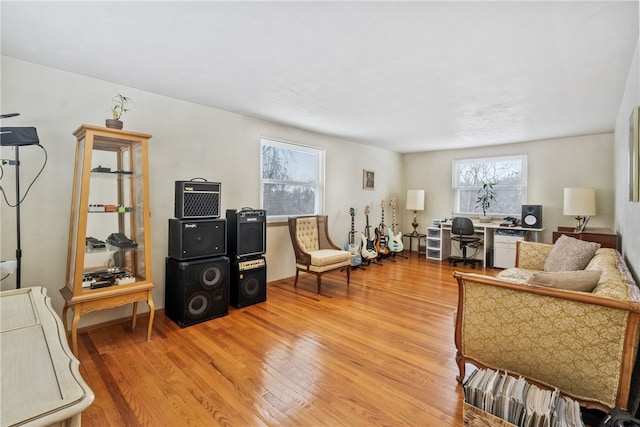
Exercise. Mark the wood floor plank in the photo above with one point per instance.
(379, 352)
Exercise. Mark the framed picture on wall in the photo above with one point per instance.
(634, 155)
(368, 180)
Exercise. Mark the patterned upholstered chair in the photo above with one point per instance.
(315, 252)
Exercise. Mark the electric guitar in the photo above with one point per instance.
(351, 246)
(381, 238)
(368, 246)
(395, 240)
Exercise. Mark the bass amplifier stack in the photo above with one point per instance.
(212, 261)
(197, 268)
(247, 240)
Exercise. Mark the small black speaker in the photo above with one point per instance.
(248, 282)
(196, 291)
(197, 199)
(197, 238)
(247, 235)
(532, 216)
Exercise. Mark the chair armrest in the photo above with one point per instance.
(302, 257)
(324, 240)
(532, 255)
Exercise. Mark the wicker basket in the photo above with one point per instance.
(476, 417)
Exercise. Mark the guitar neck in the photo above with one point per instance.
(393, 224)
(353, 232)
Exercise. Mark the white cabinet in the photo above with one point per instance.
(438, 244)
(41, 381)
(504, 246)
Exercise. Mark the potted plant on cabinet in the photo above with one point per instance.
(119, 107)
(486, 195)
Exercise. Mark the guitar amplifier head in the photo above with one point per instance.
(197, 199)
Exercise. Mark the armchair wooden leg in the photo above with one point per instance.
(295, 283)
(348, 276)
(319, 282)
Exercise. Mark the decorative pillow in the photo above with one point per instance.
(584, 280)
(569, 254)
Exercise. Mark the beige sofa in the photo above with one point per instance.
(583, 343)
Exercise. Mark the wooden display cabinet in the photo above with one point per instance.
(605, 236)
(109, 255)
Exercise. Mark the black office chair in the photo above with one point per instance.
(462, 231)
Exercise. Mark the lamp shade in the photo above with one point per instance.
(579, 201)
(415, 200)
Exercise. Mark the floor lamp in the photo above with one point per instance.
(16, 137)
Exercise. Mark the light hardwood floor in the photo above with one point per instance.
(380, 352)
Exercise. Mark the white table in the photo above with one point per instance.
(41, 382)
(486, 230)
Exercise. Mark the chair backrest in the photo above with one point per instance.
(306, 230)
(462, 226)
(310, 233)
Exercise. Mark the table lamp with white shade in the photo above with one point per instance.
(580, 203)
(415, 203)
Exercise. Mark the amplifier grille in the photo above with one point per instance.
(201, 204)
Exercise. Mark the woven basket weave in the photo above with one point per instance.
(476, 417)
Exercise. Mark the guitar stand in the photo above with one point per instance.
(388, 257)
(352, 267)
(400, 255)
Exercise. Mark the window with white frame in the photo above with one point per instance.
(508, 174)
(292, 179)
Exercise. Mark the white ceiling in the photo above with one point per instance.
(406, 76)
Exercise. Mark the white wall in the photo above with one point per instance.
(627, 220)
(552, 165)
(188, 141)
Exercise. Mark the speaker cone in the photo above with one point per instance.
(199, 303)
(211, 277)
(200, 240)
(251, 287)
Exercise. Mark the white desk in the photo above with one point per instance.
(486, 230)
(41, 382)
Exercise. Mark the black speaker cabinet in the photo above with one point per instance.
(197, 238)
(196, 291)
(248, 282)
(532, 216)
(197, 199)
(247, 235)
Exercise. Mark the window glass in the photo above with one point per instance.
(508, 175)
(292, 179)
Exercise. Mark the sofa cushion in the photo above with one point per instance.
(584, 280)
(516, 275)
(569, 254)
